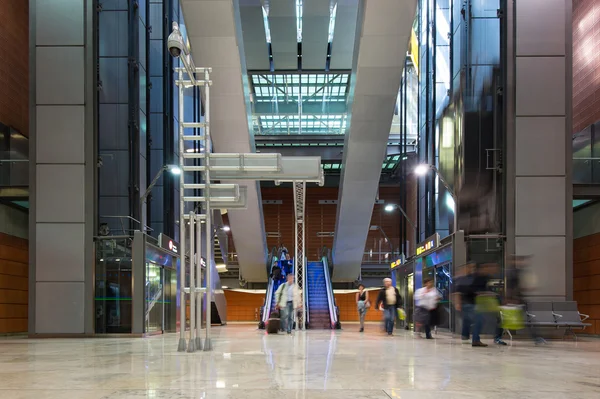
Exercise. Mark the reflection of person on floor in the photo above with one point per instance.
(363, 304)
(288, 299)
(389, 300)
(426, 299)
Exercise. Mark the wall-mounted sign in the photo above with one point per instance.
(167, 242)
(428, 244)
(396, 264)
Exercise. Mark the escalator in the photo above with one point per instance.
(320, 303)
(269, 304)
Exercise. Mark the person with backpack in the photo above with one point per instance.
(389, 301)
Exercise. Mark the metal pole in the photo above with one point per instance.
(199, 279)
(182, 344)
(192, 341)
(414, 227)
(147, 192)
(304, 285)
(208, 219)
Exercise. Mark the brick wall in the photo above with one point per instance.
(14, 271)
(586, 278)
(586, 63)
(14, 64)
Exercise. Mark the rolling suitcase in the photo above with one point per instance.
(274, 323)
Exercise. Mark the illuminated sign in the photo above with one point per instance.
(414, 50)
(168, 243)
(428, 244)
(396, 264)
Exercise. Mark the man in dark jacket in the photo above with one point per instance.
(389, 300)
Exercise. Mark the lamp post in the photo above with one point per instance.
(391, 207)
(174, 169)
(423, 169)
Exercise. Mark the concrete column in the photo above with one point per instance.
(62, 173)
(539, 217)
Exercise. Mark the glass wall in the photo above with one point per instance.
(113, 288)
(460, 117)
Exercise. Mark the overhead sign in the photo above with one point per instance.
(430, 243)
(167, 242)
(396, 264)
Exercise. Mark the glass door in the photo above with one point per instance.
(154, 298)
(443, 283)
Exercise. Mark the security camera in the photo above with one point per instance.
(175, 42)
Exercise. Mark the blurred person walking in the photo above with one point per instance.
(389, 300)
(426, 299)
(520, 282)
(468, 288)
(288, 299)
(363, 304)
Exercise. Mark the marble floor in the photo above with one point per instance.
(246, 363)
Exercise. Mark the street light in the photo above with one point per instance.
(174, 169)
(391, 207)
(423, 169)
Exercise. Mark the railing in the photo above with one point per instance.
(586, 170)
(586, 157)
(305, 294)
(14, 172)
(330, 298)
(266, 308)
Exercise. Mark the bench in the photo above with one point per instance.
(556, 315)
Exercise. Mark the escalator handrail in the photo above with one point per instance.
(330, 299)
(305, 292)
(266, 309)
(268, 301)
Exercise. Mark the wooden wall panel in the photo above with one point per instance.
(14, 73)
(14, 271)
(348, 310)
(243, 306)
(586, 278)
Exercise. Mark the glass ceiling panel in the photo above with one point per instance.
(294, 103)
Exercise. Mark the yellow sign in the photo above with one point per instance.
(425, 247)
(414, 50)
(429, 243)
(396, 264)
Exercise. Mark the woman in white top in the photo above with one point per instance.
(426, 299)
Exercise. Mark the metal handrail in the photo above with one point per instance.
(305, 292)
(330, 298)
(266, 309)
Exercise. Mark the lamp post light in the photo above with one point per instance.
(391, 208)
(174, 169)
(423, 169)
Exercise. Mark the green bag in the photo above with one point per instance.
(486, 304)
(513, 317)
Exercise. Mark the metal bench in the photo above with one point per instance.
(567, 315)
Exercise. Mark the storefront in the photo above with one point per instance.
(126, 304)
(434, 259)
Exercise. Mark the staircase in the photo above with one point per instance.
(318, 305)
